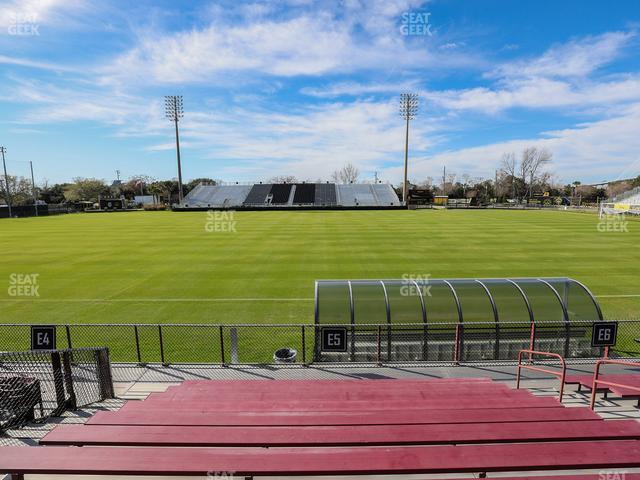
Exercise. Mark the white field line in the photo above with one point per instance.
(205, 300)
(619, 296)
(160, 300)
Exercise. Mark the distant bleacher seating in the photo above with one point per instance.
(305, 194)
(217, 196)
(292, 195)
(258, 194)
(325, 194)
(630, 197)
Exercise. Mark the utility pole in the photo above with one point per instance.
(174, 112)
(408, 111)
(33, 188)
(6, 180)
(444, 180)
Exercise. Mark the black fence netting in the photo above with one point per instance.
(35, 385)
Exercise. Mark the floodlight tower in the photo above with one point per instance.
(175, 111)
(6, 180)
(408, 111)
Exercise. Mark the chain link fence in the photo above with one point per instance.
(438, 343)
(35, 385)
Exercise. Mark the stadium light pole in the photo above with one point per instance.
(33, 188)
(408, 111)
(175, 111)
(6, 180)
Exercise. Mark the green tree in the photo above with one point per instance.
(20, 190)
(52, 194)
(86, 189)
(187, 187)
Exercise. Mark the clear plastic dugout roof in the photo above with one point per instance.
(454, 301)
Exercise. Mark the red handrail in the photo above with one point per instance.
(596, 372)
(561, 375)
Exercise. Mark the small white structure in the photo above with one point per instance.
(146, 199)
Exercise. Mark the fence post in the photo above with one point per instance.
(58, 382)
(456, 350)
(224, 364)
(68, 379)
(379, 355)
(532, 340)
(103, 366)
(161, 346)
(304, 347)
(135, 329)
(425, 344)
(68, 329)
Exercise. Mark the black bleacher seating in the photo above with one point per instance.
(325, 194)
(280, 193)
(258, 194)
(305, 194)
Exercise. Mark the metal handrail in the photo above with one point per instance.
(561, 375)
(596, 372)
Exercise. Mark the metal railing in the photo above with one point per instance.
(531, 353)
(596, 381)
(388, 343)
(35, 385)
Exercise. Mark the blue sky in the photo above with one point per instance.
(302, 87)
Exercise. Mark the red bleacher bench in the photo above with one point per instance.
(361, 435)
(249, 462)
(519, 398)
(328, 418)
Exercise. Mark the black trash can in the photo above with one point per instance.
(19, 397)
(285, 355)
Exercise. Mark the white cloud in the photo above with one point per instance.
(563, 76)
(309, 143)
(318, 40)
(22, 62)
(51, 104)
(593, 151)
(540, 93)
(576, 58)
(47, 12)
(357, 88)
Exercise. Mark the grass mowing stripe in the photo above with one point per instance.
(278, 255)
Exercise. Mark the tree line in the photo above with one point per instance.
(90, 189)
(519, 177)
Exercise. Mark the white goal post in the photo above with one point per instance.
(610, 208)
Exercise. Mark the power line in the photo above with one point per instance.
(408, 111)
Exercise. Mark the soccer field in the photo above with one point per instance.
(166, 267)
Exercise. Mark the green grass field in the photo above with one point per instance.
(164, 267)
